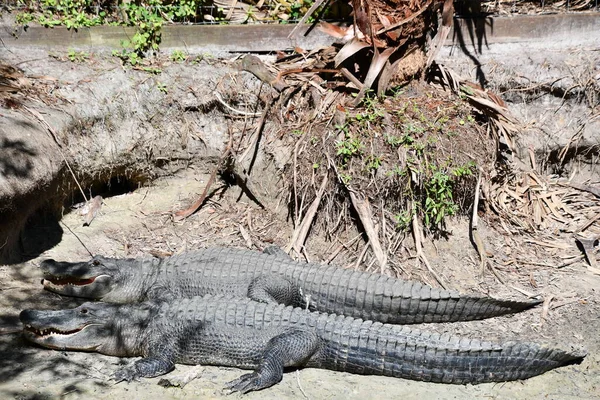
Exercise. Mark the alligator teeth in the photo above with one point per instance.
(49, 331)
(69, 281)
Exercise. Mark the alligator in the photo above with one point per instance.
(269, 278)
(270, 337)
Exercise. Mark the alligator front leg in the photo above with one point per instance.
(290, 349)
(146, 367)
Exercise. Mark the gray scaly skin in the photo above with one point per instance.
(271, 279)
(268, 338)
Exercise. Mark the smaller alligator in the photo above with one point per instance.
(268, 338)
(271, 279)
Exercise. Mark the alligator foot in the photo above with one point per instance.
(128, 374)
(246, 383)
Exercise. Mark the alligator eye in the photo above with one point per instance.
(83, 311)
(96, 262)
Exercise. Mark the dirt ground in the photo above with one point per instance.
(137, 222)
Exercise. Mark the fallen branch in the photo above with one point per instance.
(363, 209)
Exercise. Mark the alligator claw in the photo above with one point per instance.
(245, 383)
(127, 374)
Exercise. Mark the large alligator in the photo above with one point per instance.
(269, 337)
(272, 279)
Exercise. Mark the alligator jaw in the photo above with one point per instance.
(57, 281)
(55, 338)
(89, 279)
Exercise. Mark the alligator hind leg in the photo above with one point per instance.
(276, 251)
(290, 349)
(275, 289)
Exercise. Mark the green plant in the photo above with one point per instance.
(152, 70)
(403, 219)
(162, 87)
(348, 147)
(178, 56)
(439, 202)
(77, 56)
(372, 111)
(73, 14)
(128, 57)
(346, 178)
(148, 22)
(24, 18)
(373, 162)
(464, 170)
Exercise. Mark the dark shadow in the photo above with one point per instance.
(476, 30)
(41, 232)
(33, 226)
(114, 186)
(473, 22)
(18, 357)
(16, 158)
(557, 159)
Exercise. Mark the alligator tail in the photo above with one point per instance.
(401, 352)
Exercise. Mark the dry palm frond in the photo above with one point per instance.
(502, 123)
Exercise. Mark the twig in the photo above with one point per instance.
(227, 106)
(299, 385)
(420, 255)
(563, 303)
(77, 237)
(246, 236)
(496, 274)
(585, 188)
(54, 136)
(546, 308)
(305, 254)
(306, 16)
(340, 248)
(182, 214)
(361, 255)
(474, 233)
(300, 233)
(524, 292)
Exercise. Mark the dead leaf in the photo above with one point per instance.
(91, 209)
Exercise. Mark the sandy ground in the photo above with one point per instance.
(134, 223)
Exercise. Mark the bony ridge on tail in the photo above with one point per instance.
(267, 338)
(269, 278)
